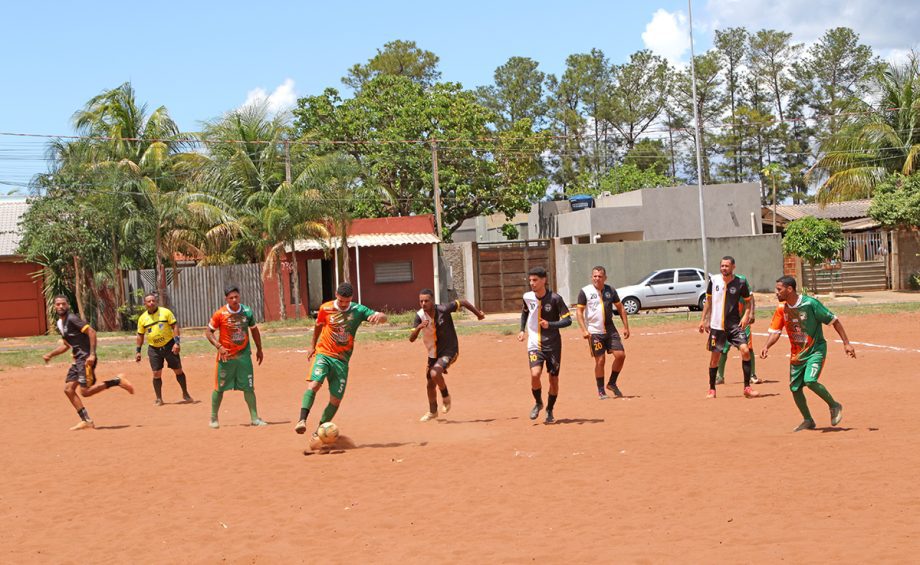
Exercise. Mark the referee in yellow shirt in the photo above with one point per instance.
(159, 325)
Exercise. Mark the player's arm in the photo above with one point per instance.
(377, 318)
(838, 325)
(580, 317)
(89, 331)
(177, 337)
(63, 347)
(524, 313)
(138, 342)
(774, 337)
(210, 335)
(317, 329)
(418, 325)
(746, 318)
(776, 330)
(624, 317)
(707, 309)
(565, 318)
(257, 339)
(472, 308)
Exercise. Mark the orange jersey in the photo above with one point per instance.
(803, 323)
(233, 327)
(338, 328)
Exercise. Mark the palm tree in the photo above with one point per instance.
(877, 142)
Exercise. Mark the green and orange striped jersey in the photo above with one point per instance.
(338, 328)
(803, 323)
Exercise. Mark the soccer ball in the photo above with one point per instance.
(328, 433)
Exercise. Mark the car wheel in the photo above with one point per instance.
(631, 305)
(702, 303)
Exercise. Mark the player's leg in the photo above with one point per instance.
(222, 383)
(553, 365)
(338, 380)
(742, 341)
(438, 371)
(158, 387)
(596, 346)
(319, 369)
(720, 374)
(750, 343)
(90, 386)
(155, 357)
(174, 362)
(70, 390)
(432, 390)
(615, 345)
(815, 365)
(536, 371)
(796, 385)
(715, 345)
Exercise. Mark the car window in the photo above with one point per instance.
(663, 277)
(688, 275)
(643, 279)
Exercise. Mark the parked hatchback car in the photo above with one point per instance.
(665, 288)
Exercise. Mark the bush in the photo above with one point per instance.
(915, 281)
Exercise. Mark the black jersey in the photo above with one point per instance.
(725, 298)
(73, 330)
(550, 307)
(440, 337)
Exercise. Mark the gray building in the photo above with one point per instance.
(652, 214)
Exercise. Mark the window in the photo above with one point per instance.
(664, 277)
(393, 272)
(688, 275)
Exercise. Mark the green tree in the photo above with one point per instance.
(771, 56)
(814, 239)
(732, 46)
(896, 202)
(397, 58)
(649, 154)
(710, 105)
(627, 177)
(638, 97)
(518, 93)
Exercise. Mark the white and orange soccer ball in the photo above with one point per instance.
(328, 433)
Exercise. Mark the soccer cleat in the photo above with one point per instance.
(720, 380)
(214, 424)
(836, 414)
(83, 425)
(301, 427)
(258, 422)
(805, 425)
(125, 383)
(615, 390)
(755, 380)
(535, 411)
(712, 393)
(549, 417)
(187, 399)
(428, 416)
(446, 407)
(158, 402)
(750, 393)
(601, 395)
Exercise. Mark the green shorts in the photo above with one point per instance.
(334, 369)
(808, 369)
(235, 374)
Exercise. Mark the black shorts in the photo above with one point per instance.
(157, 355)
(606, 343)
(443, 361)
(82, 373)
(719, 339)
(552, 358)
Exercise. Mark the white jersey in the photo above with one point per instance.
(551, 307)
(598, 307)
(428, 334)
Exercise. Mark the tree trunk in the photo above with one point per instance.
(295, 292)
(119, 282)
(282, 313)
(343, 241)
(78, 285)
(161, 271)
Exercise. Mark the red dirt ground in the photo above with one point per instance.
(663, 475)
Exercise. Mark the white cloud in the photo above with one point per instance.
(666, 35)
(888, 25)
(282, 99)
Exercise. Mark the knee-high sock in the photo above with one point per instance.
(819, 389)
(801, 403)
(613, 377)
(158, 388)
(753, 369)
(538, 395)
(552, 401)
(712, 378)
(308, 396)
(722, 360)
(746, 369)
(250, 396)
(328, 413)
(182, 383)
(216, 398)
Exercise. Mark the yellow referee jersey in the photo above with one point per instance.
(158, 327)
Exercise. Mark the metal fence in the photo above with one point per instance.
(194, 293)
(869, 246)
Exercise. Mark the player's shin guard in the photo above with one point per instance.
(819, 389)
(328, 413)
(250, 396)
(801, 403)
(216, 398)
(746, 369)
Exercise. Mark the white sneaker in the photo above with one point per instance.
(428, 416)
(83, 425)
(446, 407)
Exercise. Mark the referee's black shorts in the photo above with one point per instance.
(159, 355)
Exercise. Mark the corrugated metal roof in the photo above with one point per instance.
(831, 211)
(860, 224)
(370, 240)
(10, 213)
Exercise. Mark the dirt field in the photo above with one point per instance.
(663, 475)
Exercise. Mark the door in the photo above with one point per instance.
(688, 288)
(660, 289)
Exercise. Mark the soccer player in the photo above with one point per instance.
(436, 325)
(80, 338)
(543, 314)
(720, 377)
(160, 327)
(802, 316)
(723, 320)
(596, 303)
(333, 343)
(234, 321)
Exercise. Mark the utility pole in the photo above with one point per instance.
(699, 158)
(295, 290)
(437, 215)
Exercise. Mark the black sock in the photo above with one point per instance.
(713, 371)
(182, 383)
(600, 383)
(613, 377)
(112, 382)
(746, 368)
(158, 388)
(444, 393)
(538, 395)
(304, 412)
(83, 414)
(552, 401)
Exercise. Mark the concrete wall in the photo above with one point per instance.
(488, 229)
(760, 258)
(907, 258)
(458, 259)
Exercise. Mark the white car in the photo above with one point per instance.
(666, 288)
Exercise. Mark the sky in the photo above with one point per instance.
(201, 59)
